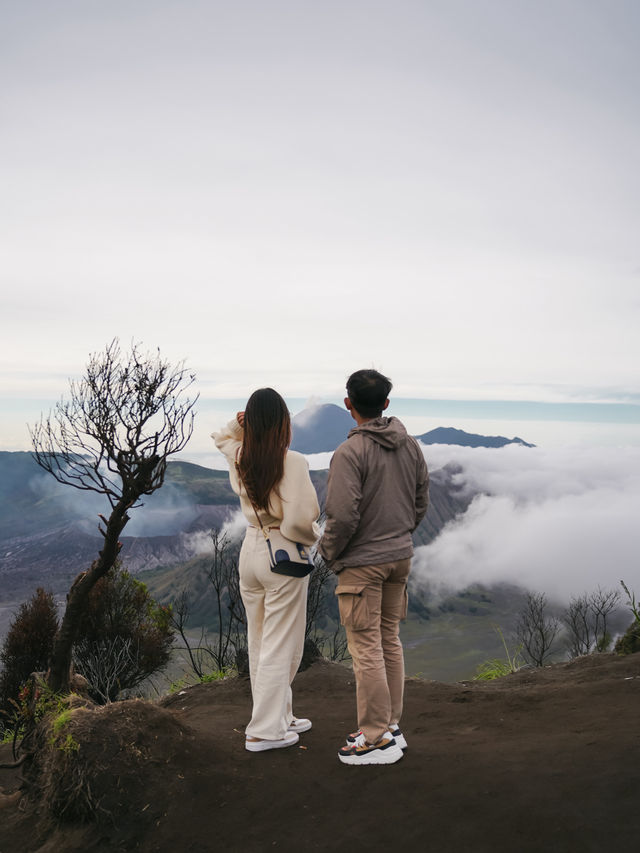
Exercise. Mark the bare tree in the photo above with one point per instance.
(536, 630)
(180, 609)
(586, 621)
(227, 644)
(577, 620)
(321, 588)
(334, 646)
(113, 436)
(224, 578)
(603, 603)
(105, 663)
(221, 647)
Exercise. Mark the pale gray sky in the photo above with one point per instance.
(283, 192)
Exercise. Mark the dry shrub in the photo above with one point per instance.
(26, 647)
(123, 636)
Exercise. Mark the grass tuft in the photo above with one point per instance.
(497, 667)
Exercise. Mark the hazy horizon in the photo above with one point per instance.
(546, 423)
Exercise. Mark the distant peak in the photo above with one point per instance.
(450, 435)
(320, 428)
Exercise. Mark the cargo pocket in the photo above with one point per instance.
(353, 605)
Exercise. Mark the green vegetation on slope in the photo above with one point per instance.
(203, 485)
(460, 633)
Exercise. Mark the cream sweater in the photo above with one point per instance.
(295, 510)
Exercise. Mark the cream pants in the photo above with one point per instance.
(276, 608)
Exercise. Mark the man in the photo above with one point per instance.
(377, 494)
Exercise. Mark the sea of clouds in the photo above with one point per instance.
(557, 520)
(561, 521)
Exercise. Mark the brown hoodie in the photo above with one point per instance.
(377, 494)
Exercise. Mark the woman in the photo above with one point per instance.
(273, 482)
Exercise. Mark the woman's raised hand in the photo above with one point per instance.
(240, 418)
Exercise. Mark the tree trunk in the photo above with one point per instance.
(59, 675)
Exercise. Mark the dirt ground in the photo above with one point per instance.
(543, 761)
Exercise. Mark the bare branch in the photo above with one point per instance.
(586, 621)
(107, 664)
(179, 615)
(536, 630)
(122, 421)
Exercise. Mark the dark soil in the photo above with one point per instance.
(543, 761)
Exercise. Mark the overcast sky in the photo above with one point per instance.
(283, 192)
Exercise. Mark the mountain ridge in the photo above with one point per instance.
(49, 532)
(451, 435)
(321, 428)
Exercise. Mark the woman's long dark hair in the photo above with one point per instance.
(267, 435)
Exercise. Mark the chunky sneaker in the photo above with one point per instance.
(357, 738)
(399, 737)
(385, 751)
(299, 724)
(289, 739)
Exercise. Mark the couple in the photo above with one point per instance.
(377, 495)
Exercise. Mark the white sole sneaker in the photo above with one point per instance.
(357, 738)
(399, 738)
(289, 739)
(300, 724)
(386, 751)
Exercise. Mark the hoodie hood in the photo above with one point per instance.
(388, 432)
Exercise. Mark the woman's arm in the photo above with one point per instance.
(300, 508)
(229, 438)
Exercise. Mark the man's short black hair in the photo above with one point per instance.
(368, 391)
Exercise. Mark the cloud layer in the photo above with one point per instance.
(555, 521)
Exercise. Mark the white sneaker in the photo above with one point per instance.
(399, 737)
(386, 751)
(299, 724)
(357, 738)
(289, 739)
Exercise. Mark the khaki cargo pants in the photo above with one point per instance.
(372, 601)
